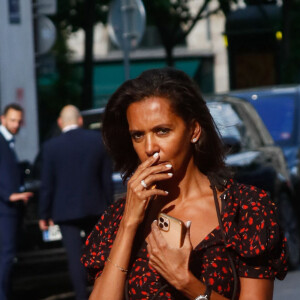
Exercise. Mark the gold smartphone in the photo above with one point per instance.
(172, 229)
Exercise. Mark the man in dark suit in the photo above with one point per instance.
(12, 197)
(76, 187)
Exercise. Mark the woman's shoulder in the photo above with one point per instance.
(239, 188)
(248, 203)
(248, 199)
(243, 195)
(253, 231)
(100, 240)
(108, 222)
(117, 206)
(251, 222)
(250, 212)
(113, 212)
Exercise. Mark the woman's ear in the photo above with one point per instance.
(196, 131)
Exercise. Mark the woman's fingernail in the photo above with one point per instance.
(167, 192)
(169, 166)
(188, 224)
(170, 174)
(155, 155)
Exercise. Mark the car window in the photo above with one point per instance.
(229, 122)
(278, 114)
(226, 119)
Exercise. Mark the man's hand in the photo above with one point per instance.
(44, 224)
(20, 197)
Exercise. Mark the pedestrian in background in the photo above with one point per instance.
(76, 187)
(12, 197)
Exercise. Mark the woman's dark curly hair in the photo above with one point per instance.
(186, 101)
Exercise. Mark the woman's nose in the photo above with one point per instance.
(151, 145)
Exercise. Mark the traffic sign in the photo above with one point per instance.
(126, 23)
(46, 34)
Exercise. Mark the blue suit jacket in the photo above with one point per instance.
(10, 180)
(76, 179)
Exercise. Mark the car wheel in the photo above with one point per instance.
(289, 223)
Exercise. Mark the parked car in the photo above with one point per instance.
(252, 154)
(257, 160)
(279, 108)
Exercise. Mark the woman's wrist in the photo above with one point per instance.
(128, 226)
(190, 286)
(184, 280)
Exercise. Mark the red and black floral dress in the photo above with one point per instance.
(253, 238)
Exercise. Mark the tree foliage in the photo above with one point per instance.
(175, 20)
(70, 13)
(67, 85)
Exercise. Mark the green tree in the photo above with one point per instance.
(69, 85)
(175, 21)
(73, 15)
(172, 18)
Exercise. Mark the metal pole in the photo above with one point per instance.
(125, 8)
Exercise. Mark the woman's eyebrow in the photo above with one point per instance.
(153, 128)
(135, 131)
(163, 125)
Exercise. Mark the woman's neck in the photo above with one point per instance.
(188, 185)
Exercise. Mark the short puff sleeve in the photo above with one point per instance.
(255, 236)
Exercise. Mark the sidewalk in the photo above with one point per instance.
(289, 288)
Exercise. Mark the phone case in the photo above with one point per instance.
(172, 229)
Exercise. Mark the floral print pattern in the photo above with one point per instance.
(253, 237)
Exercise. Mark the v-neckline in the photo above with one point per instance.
(217, 228)
(222, 197)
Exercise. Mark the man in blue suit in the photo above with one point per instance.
(76, 187)
(12, 199)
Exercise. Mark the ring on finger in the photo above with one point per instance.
(144, 184)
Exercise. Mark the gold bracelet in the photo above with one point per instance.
(117, 266)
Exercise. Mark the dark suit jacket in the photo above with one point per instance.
(76, 180)
(10, 180)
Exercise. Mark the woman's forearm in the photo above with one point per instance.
(110, 285)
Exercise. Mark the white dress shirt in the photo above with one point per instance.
(69, 127)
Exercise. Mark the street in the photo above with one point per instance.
(289, 288)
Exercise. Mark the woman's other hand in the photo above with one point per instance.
(171, 263)
(142, 187)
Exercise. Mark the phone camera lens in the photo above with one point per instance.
(166, 224)
(161, 219)
(160, 225)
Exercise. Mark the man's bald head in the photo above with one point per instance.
(69, 115)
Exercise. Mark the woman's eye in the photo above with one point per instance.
(136, 136)
(163, 131)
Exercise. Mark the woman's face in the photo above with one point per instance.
(154, 127)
